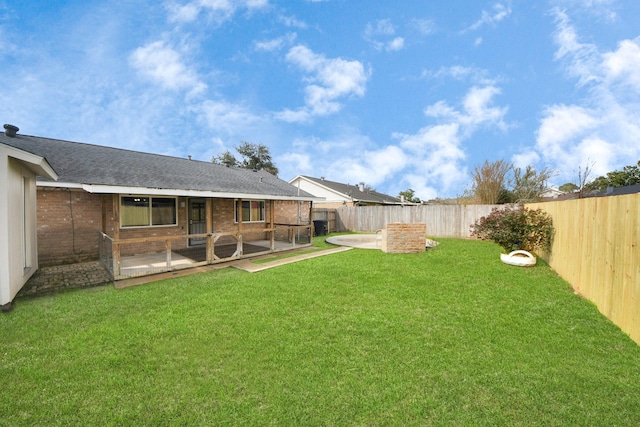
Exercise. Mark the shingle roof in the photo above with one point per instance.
(617, 191)
(353, 191)
(88, 164)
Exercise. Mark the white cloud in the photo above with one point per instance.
(436, 152)
(476, 76)
(581, 58)
(275, 44)
(225, 117)
(599, 8)
(477, 109)
(294, 116)
(561, 125)
(291, 21)
(603, 127)
(436, 155)
(623, 65)
(163, 65)
(524, 159)
(386, 161)
(381, 36)
(423, 26)
(217, 10)
(301, 163)
(329, 81)
(500, 12)
(395, 44)
(382, 27)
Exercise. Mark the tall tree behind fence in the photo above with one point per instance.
(441, 220)
(596, 248)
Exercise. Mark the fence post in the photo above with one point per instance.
(116, 259)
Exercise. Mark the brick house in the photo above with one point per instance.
(18, 244)
(120, 205)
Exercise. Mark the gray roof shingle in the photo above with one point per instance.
(89, 164)
(354, 192)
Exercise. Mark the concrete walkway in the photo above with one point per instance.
(89, 274)
(251, 267)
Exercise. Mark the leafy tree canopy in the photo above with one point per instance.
(629, 175)
(489, 181)
(529, 184)
(254, 156)
(500, 182)
(568, 187)
(409, 196)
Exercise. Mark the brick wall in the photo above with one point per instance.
(404, 238)
(68, 225)
(69, 222)
(291, 212)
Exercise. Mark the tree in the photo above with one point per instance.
(528, 185)
(629, 175)
(568, 187)
(409, 196)
(226, 159)
(489, 181)
(583, 179)
(254, 156)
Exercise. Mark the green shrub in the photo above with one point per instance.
(516, 227)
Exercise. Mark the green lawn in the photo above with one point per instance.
(447, 337)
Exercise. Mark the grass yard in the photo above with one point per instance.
(447, 337)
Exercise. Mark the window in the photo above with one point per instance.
(138, 211)
(252, 210)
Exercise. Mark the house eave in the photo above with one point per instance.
(36, 164)
(115, 189)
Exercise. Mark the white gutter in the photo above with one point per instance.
(116, 189)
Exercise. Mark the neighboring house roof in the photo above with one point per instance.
(611, 191)
(336, 191)
(617, 191)
(552, 192)
(99, 169)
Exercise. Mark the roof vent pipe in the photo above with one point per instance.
(10, 130)
(361, 187)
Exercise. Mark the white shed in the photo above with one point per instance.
(18, 244)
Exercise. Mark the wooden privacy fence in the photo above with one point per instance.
(441, 220)
(596, 248)
(325, 214)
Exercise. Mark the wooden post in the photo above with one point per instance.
(116, 235)
(210, 241)
(168, 246)
(239, 245)
(272, 210)
(311, 229)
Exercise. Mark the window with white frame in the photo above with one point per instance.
(146, 211)
(252, 210)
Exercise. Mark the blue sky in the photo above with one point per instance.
(398, 94)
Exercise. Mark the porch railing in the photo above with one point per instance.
(126, 258)
(105, 252)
